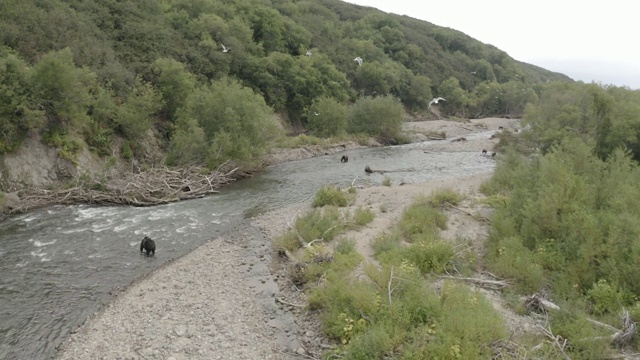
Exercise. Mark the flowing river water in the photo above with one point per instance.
(61, 264)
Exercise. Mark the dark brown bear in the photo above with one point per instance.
(148, 245)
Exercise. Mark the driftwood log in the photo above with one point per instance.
(369, 170)
(152, 187)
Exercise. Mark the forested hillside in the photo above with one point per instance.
(81, 72)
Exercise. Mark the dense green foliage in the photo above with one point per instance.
(567, 220)
(83, 72)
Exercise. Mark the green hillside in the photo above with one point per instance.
(83, 71)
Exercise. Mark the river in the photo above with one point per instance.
(60, 264)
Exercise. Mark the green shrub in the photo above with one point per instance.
(512, 260)
(345, 246)
(380, 117)
(68, 146)
(429, 256)
(322, 224)
(421, 218)
(386, 181)
(467, 324)
(386, 242)
(126, 150)
(585, 342)
(605, 298)
(327, 117)
(330, 195)
(362, 216)
(441, 197)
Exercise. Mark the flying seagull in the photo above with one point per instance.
(315, 113)
(359, 60)
(474, 72)
(224, 49)
(308, 53)
(435, 100)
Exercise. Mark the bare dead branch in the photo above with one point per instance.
(152, 187)
(558, 341)
(483, 283)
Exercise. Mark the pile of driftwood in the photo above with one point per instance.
(151, 187)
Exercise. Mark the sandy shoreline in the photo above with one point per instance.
(225, 300)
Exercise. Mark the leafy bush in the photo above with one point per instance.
(585, 342)
(362, 216)
(345, 247)
(420, 218)
(380, 117)
(512, 260)
(188, 146)
(330, 195)
(323, 223)
(429, 256)
(327, 118)
(386, 242)
(605, 298)
(18, 112)
(237, 123)
(440, 197)
(126, 151)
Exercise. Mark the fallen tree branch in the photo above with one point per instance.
(152, 187)
(484, 283)
(369, 170)
(288, 303)
(557, 340)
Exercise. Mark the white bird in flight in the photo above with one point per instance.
(308, 53)
(435, 100)
(224, 49)
(359, 60)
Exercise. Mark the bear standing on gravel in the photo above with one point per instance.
(148, 245)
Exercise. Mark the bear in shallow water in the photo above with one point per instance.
(148, 245)
(345, 158)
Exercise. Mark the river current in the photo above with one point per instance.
(61, 264)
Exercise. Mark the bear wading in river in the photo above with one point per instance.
(344, 159)
(148, 245)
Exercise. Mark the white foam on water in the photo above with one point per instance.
(101, 227)
(38, 254)
(45, 259)
(30, 217)
(22, 264)
(94, 256)
(72, 231)
(39, 244)
(87, 213)
(161, 214)
(122, 227)
(68, 252)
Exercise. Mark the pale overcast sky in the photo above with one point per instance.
(585, 40)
